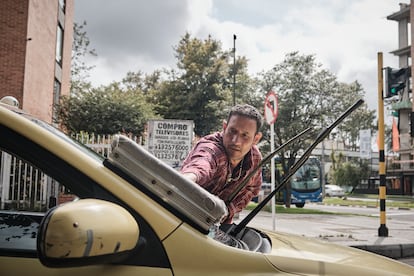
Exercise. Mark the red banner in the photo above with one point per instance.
(395, 137)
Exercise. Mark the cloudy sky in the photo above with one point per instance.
(344, 35)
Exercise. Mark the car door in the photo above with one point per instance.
(32, 181)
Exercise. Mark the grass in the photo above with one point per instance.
(355, 200)
(280, 209)
(371, 201)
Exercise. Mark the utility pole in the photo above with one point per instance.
(382, 230)
(234, 69)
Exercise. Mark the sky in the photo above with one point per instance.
(343, 35)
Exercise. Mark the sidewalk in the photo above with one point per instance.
(356, 231)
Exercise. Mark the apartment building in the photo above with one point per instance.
(401, 166)
(35, 52)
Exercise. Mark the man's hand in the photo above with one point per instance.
(225, 216)
(190, 176)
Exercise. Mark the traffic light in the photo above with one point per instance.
(396, 80)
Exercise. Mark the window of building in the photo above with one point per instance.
(62, 5)
(56, 97)
(59, 44)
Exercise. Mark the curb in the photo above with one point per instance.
(365, 206)
(394, 251)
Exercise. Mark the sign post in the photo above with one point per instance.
(270, 114)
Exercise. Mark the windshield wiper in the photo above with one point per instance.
(235, 229)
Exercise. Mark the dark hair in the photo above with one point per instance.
(247, 111)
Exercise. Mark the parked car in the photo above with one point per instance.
(130, 214)
(334, 190)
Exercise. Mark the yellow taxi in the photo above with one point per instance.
(130, 214)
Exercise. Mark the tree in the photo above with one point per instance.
(80, 49)
(308, 98)
(362, 118)
(337, 161)
(350, 174)
(105, 110)
(200, 90)
(118, 107)
(247, 90)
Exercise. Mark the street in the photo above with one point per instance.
(357, 228)
(391, 214)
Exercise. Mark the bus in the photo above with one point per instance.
(306, 183)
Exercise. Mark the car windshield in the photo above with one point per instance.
(308, 176)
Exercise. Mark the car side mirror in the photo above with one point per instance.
(85, 232)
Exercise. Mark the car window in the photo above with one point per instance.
(26, 194)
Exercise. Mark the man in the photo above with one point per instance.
(219, 162)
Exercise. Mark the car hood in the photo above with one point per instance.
(323, 258)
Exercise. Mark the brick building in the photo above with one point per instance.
(35, 52)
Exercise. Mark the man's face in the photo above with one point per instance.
(239, 136)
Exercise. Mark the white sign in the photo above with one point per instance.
(365, 143)
(170, 140)
(270, 108)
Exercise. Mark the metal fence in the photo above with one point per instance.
(24, 187)
(101, 143)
